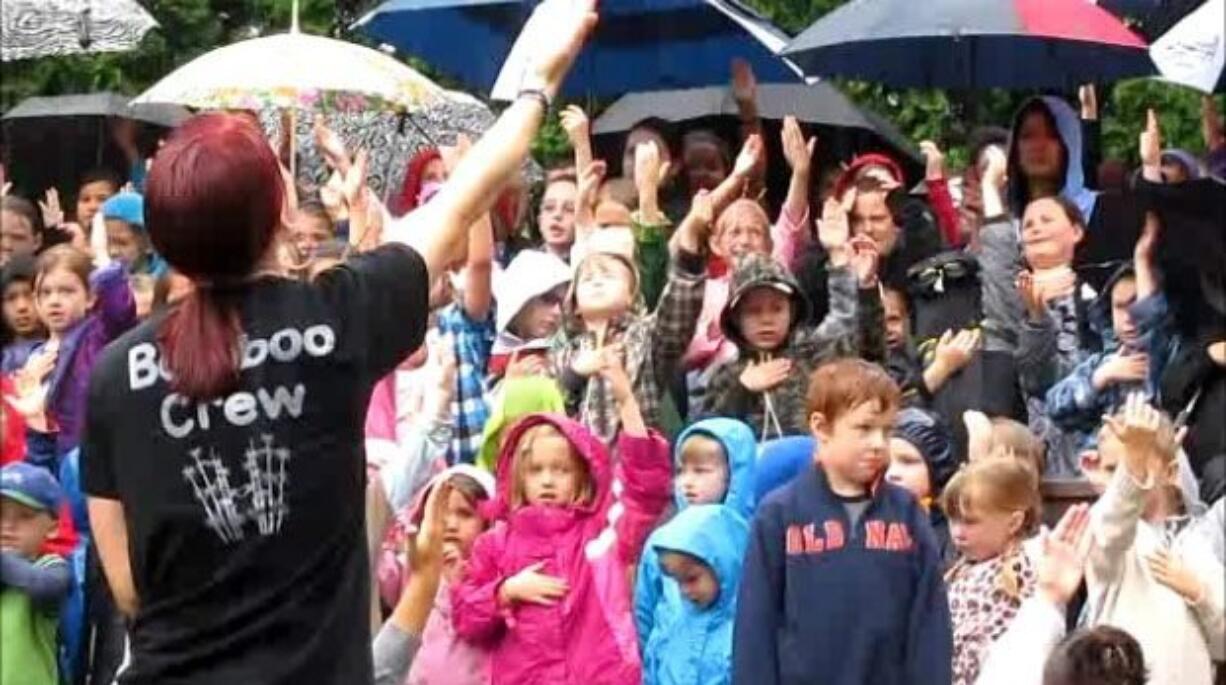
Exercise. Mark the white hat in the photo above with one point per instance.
(532, 273)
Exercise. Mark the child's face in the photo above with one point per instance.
(704, 165)
(461, 527)
(1040, 152)
(307, 234)
(1049, 238)
(871, 216)
(23, 529)
(855, 446)
(557, 216)
(764, 316)
(19, 313)
(908, 469)
(541, 316)
(983, 533)
(125, 244)
(695, 579)
(1123, 295)
(742, 233)
(62, 299)
(702, 476)
(603, 287)
(553, 475)
(90, 199)
(17, 236)
(897, 322)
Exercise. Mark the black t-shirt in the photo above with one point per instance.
(245, 514)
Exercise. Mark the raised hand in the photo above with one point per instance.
(1121, 367)
(53, 213)
(1170, 571)
(1088, 95)
(354, 185)
(762, 376)
(590, 178)
(563, 27)
(978, 434)
(1150, 142)
(1149, 441)
(995, 168)
(747, 160)
(1032, 298)
(834, 228)
(744, 83)
(649, 172)
(864, 260)
(576, 124)
(534, 587)
(797, 151)
(1144, 249)
(695, 228)
(330, 146)
(934, 161)
(1065, 550)
(955, 351)
(425, 545)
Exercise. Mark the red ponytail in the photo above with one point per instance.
(213, 205)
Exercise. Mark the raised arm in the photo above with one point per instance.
(789, 234)
(437, 229)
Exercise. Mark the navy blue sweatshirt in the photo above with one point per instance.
(820, 603)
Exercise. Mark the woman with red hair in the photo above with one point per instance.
(422, 178)
(222, 456)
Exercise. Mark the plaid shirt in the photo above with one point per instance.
(652, 344)
(471, 341)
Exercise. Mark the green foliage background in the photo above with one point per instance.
(191, 27)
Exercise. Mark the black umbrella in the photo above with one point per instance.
(843, 128)
(51, 141)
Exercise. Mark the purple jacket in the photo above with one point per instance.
(113, 314)
(588, 638)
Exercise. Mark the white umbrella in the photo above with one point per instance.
(295, 70)
(44, 28)
(1193, 52)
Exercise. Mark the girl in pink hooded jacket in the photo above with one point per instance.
(546, 588)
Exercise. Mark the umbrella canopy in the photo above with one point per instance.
(1193, 52)
(295, 70)
(102, 104)
(638, 44)
(972, 44)
(45, 28)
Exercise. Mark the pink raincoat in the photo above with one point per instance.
(587, 638)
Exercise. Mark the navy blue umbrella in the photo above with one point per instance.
(971, 44)
(638, 45)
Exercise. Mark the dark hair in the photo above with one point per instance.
(894, 198)
(213, 205)
(26, 210)
(1103, 655)
(708, 136)
(468, 487)
(660, 127)
(1019, 190)
(983, 137)
(99, 175)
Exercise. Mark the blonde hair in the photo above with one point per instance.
(1013, 439)
(1000, 485)
(695, 442)
(523, 457)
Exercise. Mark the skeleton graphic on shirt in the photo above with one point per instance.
(229, 507)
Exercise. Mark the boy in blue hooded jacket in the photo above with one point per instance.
(700, 551)
(715, 465)
(842, 578)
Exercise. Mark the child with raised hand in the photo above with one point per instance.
(842, 580)
(715, 464)
(765, 317)
(1148, 573)
(32, 583)
(546, 589)
(701, 552)
(993, 506)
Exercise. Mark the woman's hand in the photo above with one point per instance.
(563, 28)
(797, 151)
(834, 228)
(1170, 571)
(533, 587)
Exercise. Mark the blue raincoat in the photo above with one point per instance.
(693, 645)
(656, 597)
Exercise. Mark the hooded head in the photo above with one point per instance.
(593, 455)
(780, 461)
(1179, 166)
(714, 535)
(531, 275)
(736, 441)
(1045, 141)
(752, 318)
(520, 397)
(927, 434)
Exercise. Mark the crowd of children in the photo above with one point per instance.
(666, 441)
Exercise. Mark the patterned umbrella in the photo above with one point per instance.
(47, 28)
(1193, 52)
(971, 44)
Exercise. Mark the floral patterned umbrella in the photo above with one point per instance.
(299, 71)
(46, 28)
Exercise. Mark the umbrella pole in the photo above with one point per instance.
(293, 144)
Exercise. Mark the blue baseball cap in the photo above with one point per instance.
(126, 207)
(31, 485)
